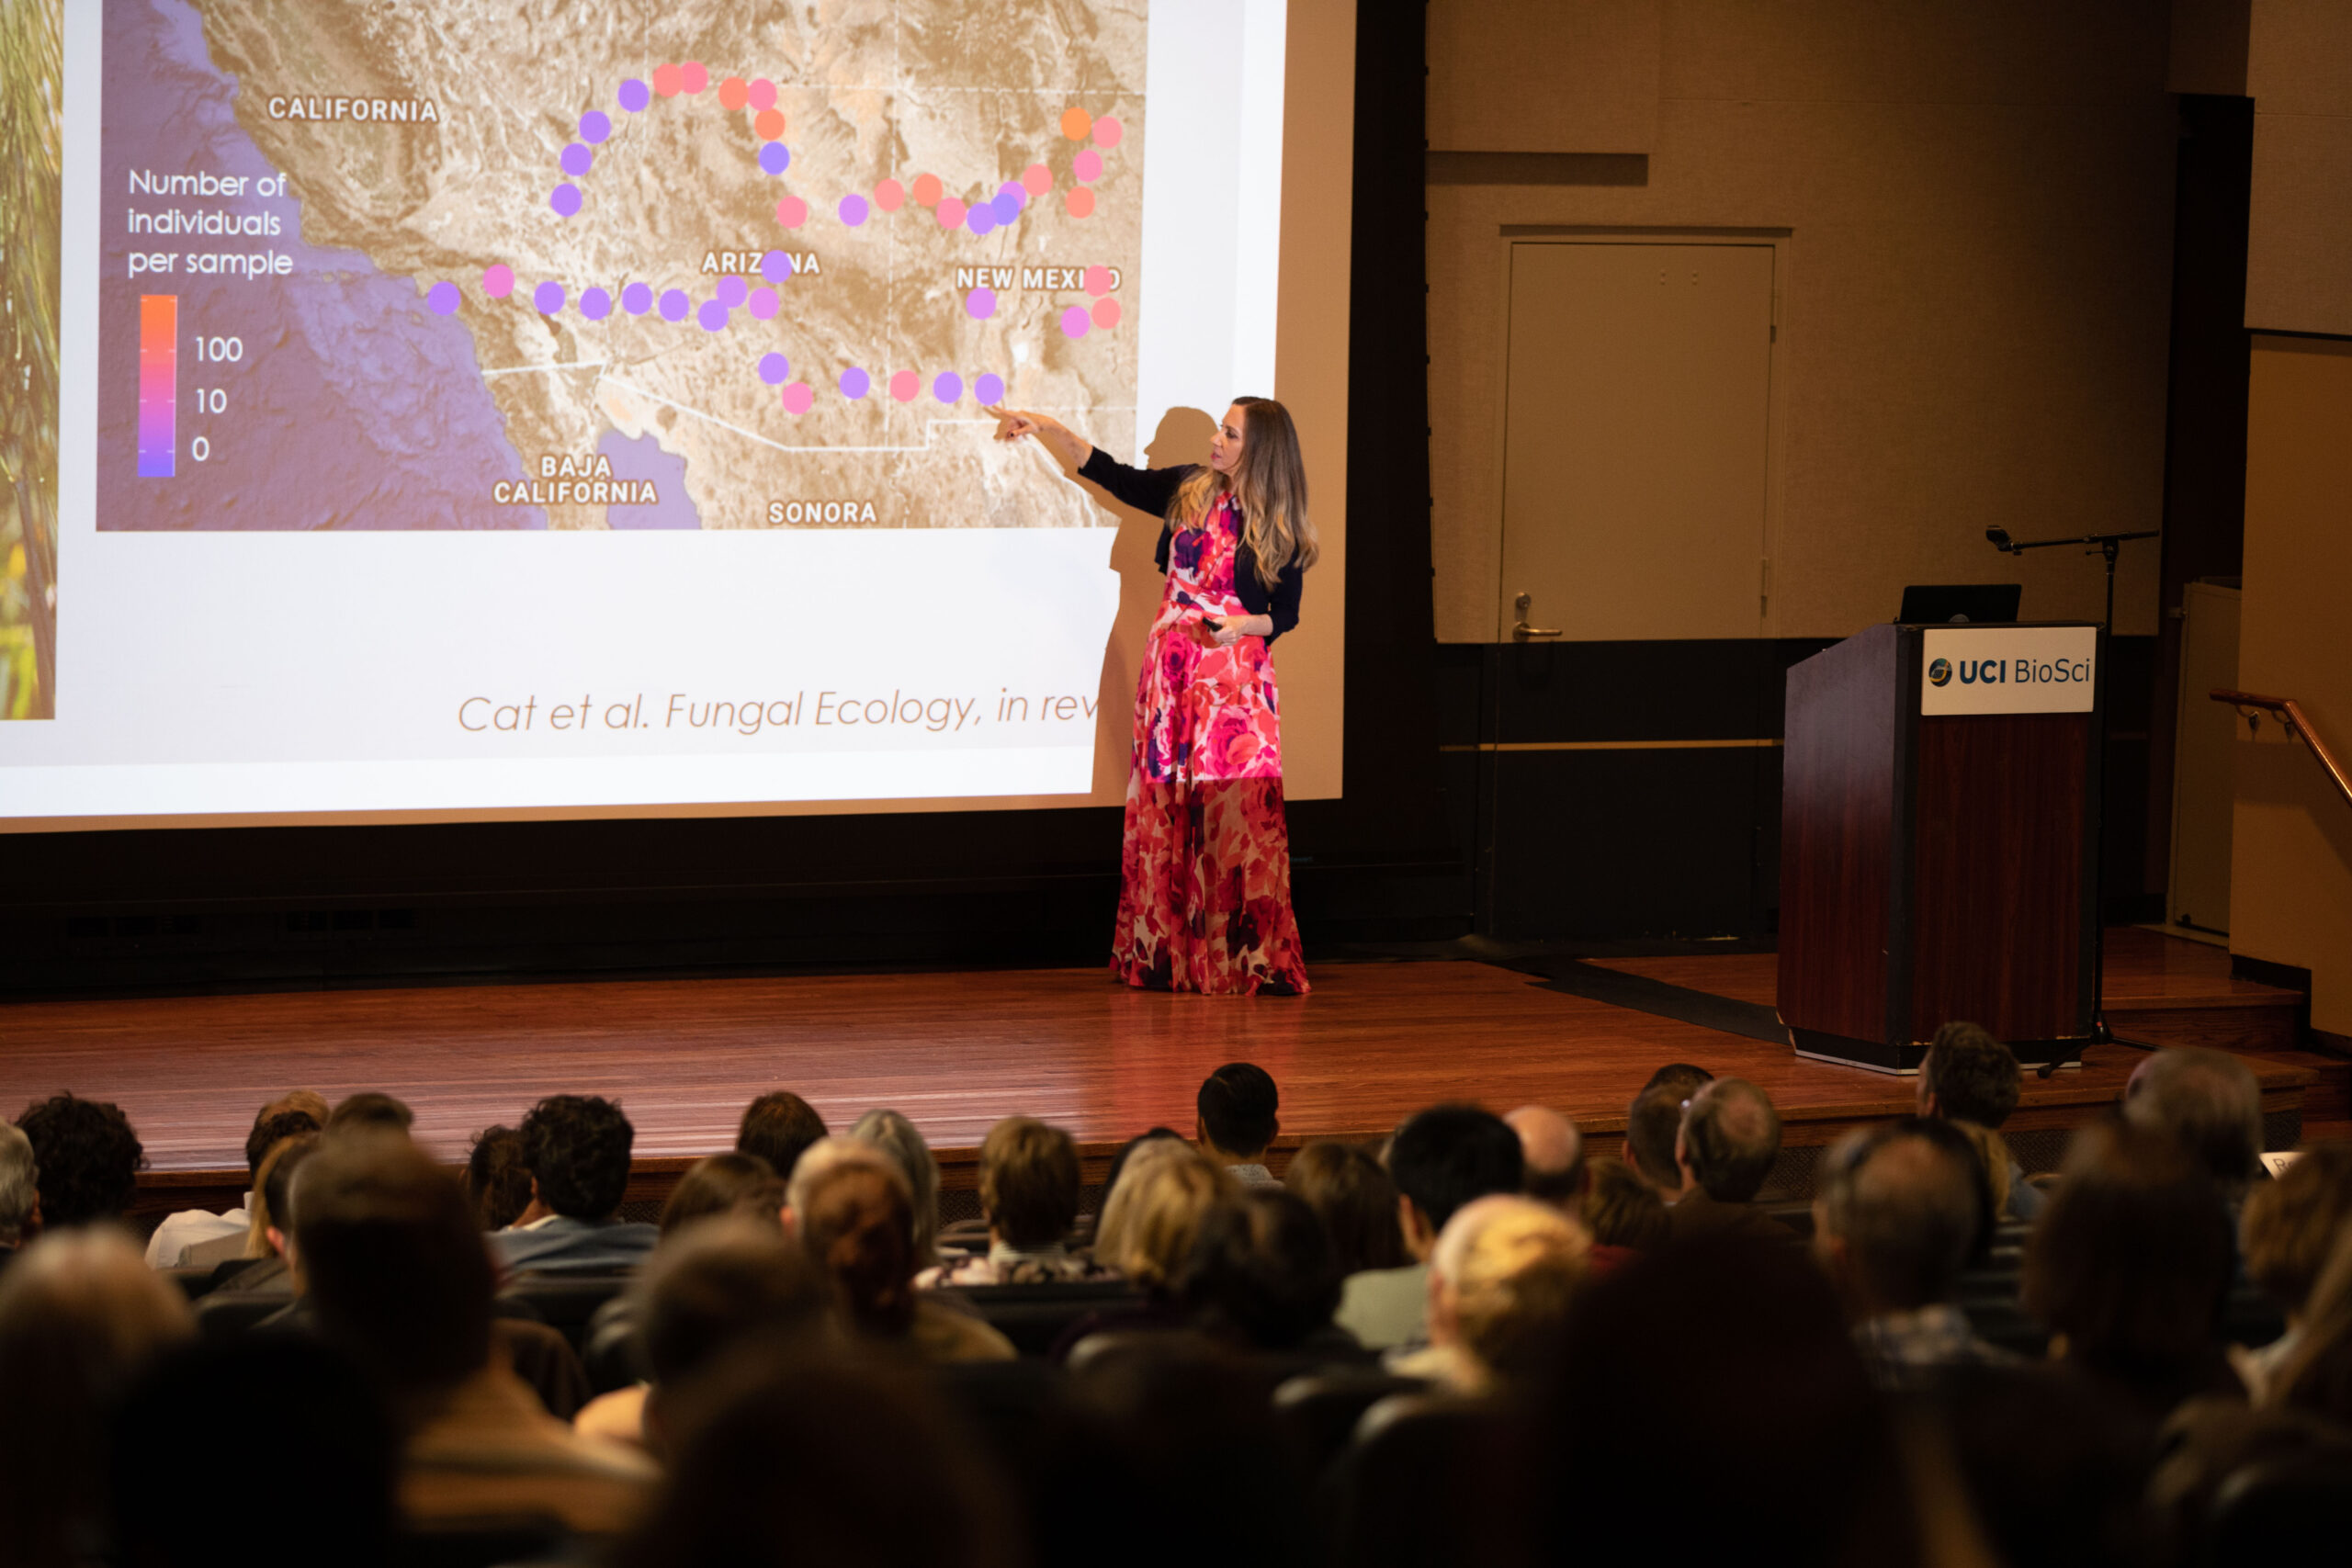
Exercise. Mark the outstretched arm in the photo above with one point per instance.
(1066, 445)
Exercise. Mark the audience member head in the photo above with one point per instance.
(1651, 1124)
(577, 1146)
(1968, 1075)
(734, 1183)
(1899, 1208)
(1126, 1151)
(2208, 1103)
(1028, 1182)
(1730, 1137)
(1152, 1220)
(848, 1204)
(397, 1270)
(1261, 1271)
(1351, 1193)
(897, 1136)
(2290, 1227)
(19, 1186)
(298, 1101)
(271, 1221)
(1684, 1078)
(1553, 1151)
(732, 1281)
(89, 1159)
(271, 1130)
(790, 1459)
(2316, 1375)
(370, 1110)
(1500, 1280)
(2132, 1262)
(278, 1411)
(498, 1177)
(777, 1127)
(79, 1314)
(1620, 1208)
(1442, 1157)
(1236, 1107)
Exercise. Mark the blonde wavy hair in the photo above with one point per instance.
(1268, 486)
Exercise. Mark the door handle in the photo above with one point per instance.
(1522, 631)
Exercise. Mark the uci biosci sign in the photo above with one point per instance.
(2008, 668)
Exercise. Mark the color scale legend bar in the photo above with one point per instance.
(159, 385)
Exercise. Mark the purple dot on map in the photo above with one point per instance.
(498, 280)
(774, 368)
(732, 292)
(981, 303)
(948, 388)
(776, 266)
(442, 296)
(775, 159)
(988, 389)
(764, 304)
(713, 315)
(637, 298)
(798, 397)
(594, 125)
(1075, 321)
(981, 220)
(635, 95)
(852, 210)
(577, 159)
(566, 199)
(674, 302)
(855, 383)
(595, 304)
(1007, 207)
(548, 297)
(1016, 190)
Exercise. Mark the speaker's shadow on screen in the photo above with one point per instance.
(1183, 437)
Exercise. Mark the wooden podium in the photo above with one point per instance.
(1939, 841)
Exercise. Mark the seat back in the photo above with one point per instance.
(2280, 1510)
(1035, 1316)
(1320, 1410)
(565, 1302)
(226, 1315)
(1432, 1479)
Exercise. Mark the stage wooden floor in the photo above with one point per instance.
(1375, 1042)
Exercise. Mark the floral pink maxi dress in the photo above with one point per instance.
(1205, 886)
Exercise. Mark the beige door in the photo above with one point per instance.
(1635, 442)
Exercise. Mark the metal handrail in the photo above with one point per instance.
(2289, 713)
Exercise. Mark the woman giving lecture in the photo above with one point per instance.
(1205, 870)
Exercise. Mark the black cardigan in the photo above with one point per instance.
(1151, 489)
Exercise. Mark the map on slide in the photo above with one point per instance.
(659, 264)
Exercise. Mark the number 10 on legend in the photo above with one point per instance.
(159, 378)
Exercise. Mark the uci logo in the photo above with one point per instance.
(1940, 672)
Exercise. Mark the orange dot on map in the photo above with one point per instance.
(731, 92)
(769, 125)
(890, 196)
(667, 80)
(1076, 123)
(1106, 313)
(1036, 179)
(1080, 203)
(926, 190)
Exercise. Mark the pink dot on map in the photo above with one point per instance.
(926, 190)
(633, 96)
(792, 212)
(1098, 281)
(666, 80)
(595, 304)
(951, 213)
(798, 397)
(731, 92)
(577, 159)
(855, 383)
(764, 304)
(760, 94)
(548, 297)
(693, 76)
(1080, 203)
(948, 388)
(498, 280)
(1106, 313)
(732, 291)
(1036, 179)
(594, 125)
(905, 385)
(637, 298)
(774, 368)
(988, 389)
(566, 199)
(853, 210)
(981, 303)
(890, 196)
(1087, 166)
(776, 266)
(1107, 132)
(1075, 321)
(442, 298)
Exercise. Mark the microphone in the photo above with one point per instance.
(1998, 538)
